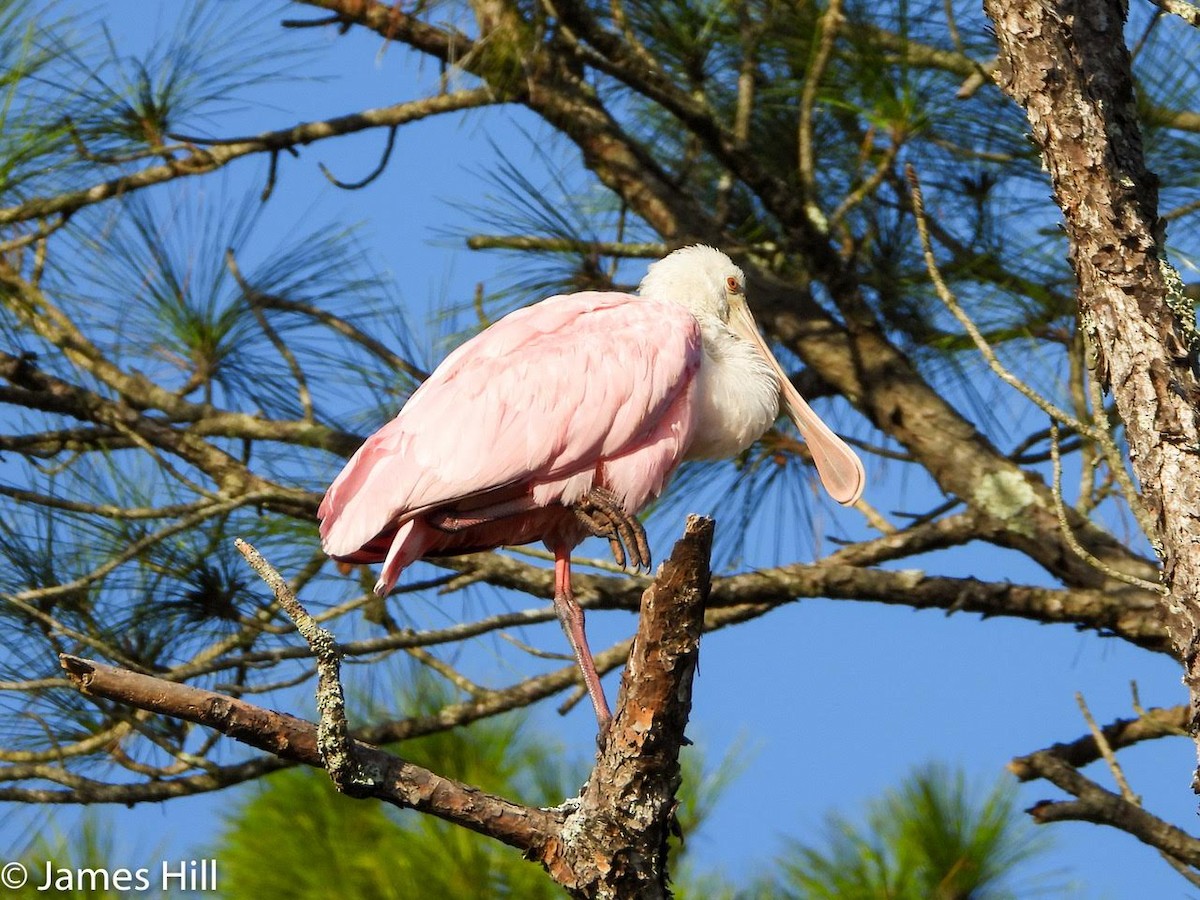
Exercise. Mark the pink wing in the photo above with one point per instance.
(547, 392)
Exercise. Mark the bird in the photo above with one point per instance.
(565, 418)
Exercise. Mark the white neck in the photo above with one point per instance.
(737, 394)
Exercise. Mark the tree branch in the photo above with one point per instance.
(396, 781)
(1095, 804)
(615, 843)
(1154, 724)
(202, 160)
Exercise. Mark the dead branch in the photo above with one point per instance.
(1156, 723)
(1102, 807)
(333, 732)
(629, 800)
(395, 781)
(1060, 764)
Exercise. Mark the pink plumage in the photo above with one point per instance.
(590, 389)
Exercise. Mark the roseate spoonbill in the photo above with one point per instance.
(565, 418)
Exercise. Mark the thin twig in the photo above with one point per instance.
(1077, 379)
(827, 27)
(750, 32)
(1113, 456)
(132, 551)
(643, 55)
(365, 647)
(1106, 751)
(951, 303)
(333, 732)
(43, 231)
(267, 687)
(344, 328)
(272, 176)
(534, 651)
(621, 249)
(1069, 535)
(161, 461)
(371, 176)
(870, 185)
(58, 752)
(105, 510)
(573, 699)
(952, 25)
(219, 153)
(252, 296)
(452, 675)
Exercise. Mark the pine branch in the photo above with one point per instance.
(617, 249)
(201, 160)
(34, 389)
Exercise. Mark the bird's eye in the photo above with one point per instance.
(731, 285)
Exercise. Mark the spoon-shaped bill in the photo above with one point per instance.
(839, 467)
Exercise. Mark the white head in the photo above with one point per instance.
(707, 282)
(699, 277)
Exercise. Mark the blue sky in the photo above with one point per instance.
(820, 729)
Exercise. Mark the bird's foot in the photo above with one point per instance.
(602, 514)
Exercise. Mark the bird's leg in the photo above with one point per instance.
(570, 615)
(604, 516)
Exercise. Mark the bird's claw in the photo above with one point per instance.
(601, 512)
(618, 551)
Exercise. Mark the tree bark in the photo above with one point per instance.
(614, 846)
(1065, 62)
